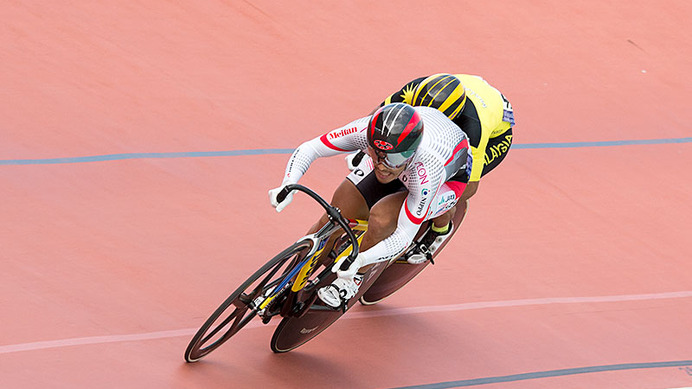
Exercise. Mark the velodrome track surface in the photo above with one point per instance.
(138, 140)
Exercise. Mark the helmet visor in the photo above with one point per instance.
(390, 160)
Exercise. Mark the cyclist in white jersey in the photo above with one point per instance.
(417, 166)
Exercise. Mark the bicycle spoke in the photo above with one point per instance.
(272, 281)
(242, 301)
(269, 276)
(219, 327)
(237, 321)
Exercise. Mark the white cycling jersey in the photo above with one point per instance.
(442, 153)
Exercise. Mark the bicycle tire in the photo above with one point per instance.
(200, 345)
(295, 331)
(400, 273)
(395, 277)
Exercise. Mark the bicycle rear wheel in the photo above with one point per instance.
(295, 331)
(400, 273)
(237, 310)
(395, 277)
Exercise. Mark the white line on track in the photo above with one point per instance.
(12, 348)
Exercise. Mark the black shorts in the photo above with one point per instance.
(371, 189)
(363, 177)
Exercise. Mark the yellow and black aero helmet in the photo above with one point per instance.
(442, 91)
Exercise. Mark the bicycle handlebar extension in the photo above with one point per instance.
(333, 213)
(359, 157)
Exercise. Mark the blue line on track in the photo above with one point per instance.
(548, 374)
(120, 157)
(237, 153)
(601, 144)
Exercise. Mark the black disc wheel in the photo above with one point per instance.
(295, 331)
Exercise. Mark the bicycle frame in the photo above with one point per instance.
(306, 271)
(303, 270)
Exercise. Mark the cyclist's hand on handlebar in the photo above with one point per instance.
(352, 270)
(273, 193)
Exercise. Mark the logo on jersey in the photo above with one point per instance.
(382, 145)
(450, 197)
(422, 173)
(495, 151)
(476, 95)
(340, 133)
(446, 206)
(425, 192)
(419, 210)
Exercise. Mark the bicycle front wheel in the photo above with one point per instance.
(237, 310)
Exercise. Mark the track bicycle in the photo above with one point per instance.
(287, 285)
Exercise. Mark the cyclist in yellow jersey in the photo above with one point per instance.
(480, 110)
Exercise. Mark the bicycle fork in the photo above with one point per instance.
(299, 275)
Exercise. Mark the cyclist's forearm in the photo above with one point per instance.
(390, 247)
(303, 157)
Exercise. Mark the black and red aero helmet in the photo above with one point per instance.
(396, 130)
(442, 91)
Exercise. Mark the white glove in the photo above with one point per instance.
(273, 193)
(352, 270)
(351, 157)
